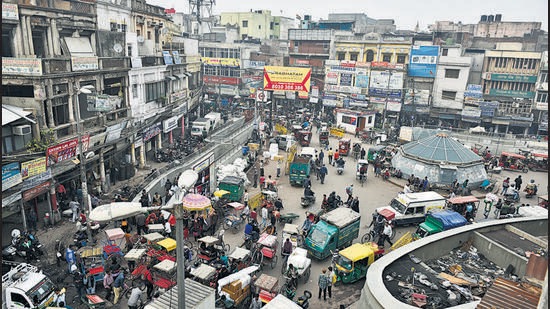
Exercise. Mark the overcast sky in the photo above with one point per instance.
(406, 13)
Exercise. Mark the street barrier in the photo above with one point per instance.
(337, 132)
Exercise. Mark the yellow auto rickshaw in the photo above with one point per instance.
(353, 262)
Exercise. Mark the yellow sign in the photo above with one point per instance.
(280, 129)
(287, 78)
(228, 62)
(33, 167)
(255, 201)
(338, 132)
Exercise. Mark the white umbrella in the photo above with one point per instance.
(115, 211)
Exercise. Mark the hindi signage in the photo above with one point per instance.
(33, 168)
(11, 175)
(66, 151)
(36, 180)
(29, 66)
(36, 191)
(287, 78)
(84, 63)
(152, 131)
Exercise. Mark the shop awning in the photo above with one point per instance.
(447, 116)
(181, 76)
(12, 113)
(170, 77)
(188, 74)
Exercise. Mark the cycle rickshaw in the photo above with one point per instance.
(266, 249)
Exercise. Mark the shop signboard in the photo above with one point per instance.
(511, 93)
(170, 124)
(152, 131)
(36, 180)
(11, 175)
(362, 80)
(423, 61)
(208, 79)
(344, 89)
(6, 201)
(488, 108)
(510, 77)
(114, 131)
(473, 91)
(287, 78)
(177, 58)
(167, 57)
(227, 62)
(331, 78)
(346, 79)
(203, 165)
(251, 64)
(66, 151)
(87, 63)
(10, 11)
(471, 112)
(36, 191)
(33, 167)
(23, 66)
(315, 91)
(102, 102)
(379, 79)
(417, 96)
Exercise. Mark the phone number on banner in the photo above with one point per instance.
(289, 87)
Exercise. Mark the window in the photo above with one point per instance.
(271, 25)
(39, 41)
(369, 119)
(445, 52)
(448, 95)
(353, 56)
(148, 35)
(138, 32)
(134, 90)
(543, 78)
(129, 47)
(370, 56)
(154, 91)
(452, 73)
(401, 58)
(259, 26)
(419, 210)
(341, 56)
(113, 26)
(542, 97)
(386, 57)
(7, 42)
(17, 298)
(245, 23)
(349, 120)
(326, 45)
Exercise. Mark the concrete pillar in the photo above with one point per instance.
(31, 44)
(72, 93)
(142, 155)
(102, 169)
(18, 43)
(133, 154)
(55, 37)
(49, 37)
(170, 138)
(24, 35)
(183, 126)
(22, 206)
(53, 197)
(159, 141)
(49, 107)
(496, 128)
(526, 131)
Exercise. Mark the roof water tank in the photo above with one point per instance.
(491, 18)
(483, 17)
(498, 17)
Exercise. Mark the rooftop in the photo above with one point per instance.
(441, 148)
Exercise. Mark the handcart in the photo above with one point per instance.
(266, 249)
(93, 301)
(115, 240)
(233, 219)
(204, 274)
(268, 287)
(240, 257)
(292, 232)
(166, 272)
(298, 258)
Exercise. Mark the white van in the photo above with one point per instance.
(309, 152)
(411, 208)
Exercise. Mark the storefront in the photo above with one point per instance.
(203, 184)
(150, 143)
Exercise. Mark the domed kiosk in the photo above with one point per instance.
(442, 159)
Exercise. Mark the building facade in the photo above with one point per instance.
(259, 24)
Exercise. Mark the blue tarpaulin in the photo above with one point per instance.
(450, 219)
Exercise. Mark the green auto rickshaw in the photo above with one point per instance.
(374, 152)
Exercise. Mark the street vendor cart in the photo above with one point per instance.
(267, 287)
(114, 243)
(240, 258)
(298, 258)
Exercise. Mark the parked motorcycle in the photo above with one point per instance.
(307, 200)
(24, 245)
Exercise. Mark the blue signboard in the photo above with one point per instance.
(167, 57)
(380, 92)
(177, 58)
(423, 61)
(11, 175)
(362, 81)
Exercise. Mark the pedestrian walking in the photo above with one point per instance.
(363, 153)
(262, 168)
(425, 184)
(78, 280)
(518, 182)
(157, 199)
(331, 281)
(245, 198)
(323, 284)
(505, 185)
(321, 156)
(330, 154)
(148, 278)
(140, 223)
(355, 204)
(118, 284)
(349, 192)
(357, 131)
(108, 283)
(264, 214)
(385, 236)
(256, 303)
(75, 208)
(255, 179)
(335, 157)
(32, 219)
(279, 164)
(323, 171)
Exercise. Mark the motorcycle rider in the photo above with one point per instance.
(332, 200)
(308, 193)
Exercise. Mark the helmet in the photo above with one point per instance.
(15, 233)
(73, 268)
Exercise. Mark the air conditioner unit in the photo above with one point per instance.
(22, 130)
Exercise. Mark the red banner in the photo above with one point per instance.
(66, 151)
(208, 79)
(36, 191)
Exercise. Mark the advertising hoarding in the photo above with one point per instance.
(30, 66)
(84, 63)
(152, 131)
(226, 62)
(66, 151)
(423, 61)
(11, 175)
(167, 57)
(287, 78)
(33, 167)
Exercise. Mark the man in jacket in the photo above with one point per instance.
(323, 171)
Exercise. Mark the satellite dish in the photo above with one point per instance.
(140, 39)
(117, 47)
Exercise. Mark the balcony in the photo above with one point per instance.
(151, 61)
(109, 63)
(87, 7)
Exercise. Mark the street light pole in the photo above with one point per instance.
(187, 180)
(86, 205)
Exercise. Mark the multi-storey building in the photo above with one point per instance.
(259, 24)
(510, 78)
(51, 50)
(449, 85)
(541, 97)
